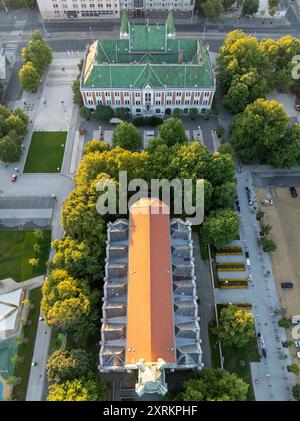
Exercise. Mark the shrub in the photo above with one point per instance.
(284, 322)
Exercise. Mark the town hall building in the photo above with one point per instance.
(149, 71)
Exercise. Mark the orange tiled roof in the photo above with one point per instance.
(150, 325)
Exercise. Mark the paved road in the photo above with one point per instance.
(270, 377)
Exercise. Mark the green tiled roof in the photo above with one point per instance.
(147, 37)
(124, 76)
(148, 56)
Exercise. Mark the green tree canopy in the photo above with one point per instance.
(250, 7)
(213, 8)
(29, 77)
(104, 112)
(172, 131)
(10, 150)
(262, 133)
(268, 246)
(236, 326)
(296, 392)
(224, 195)
(81, 389)
(77, 97)
(66, 365)
(38, 53)
(126, 136)
(214, 385)
(221, 227)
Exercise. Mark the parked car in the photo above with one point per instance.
(293, 192)
(296, 319)
(286, 285)
(297, 103)
(238, 209)
(264, 352)
(297, 344)
(247, 254)
(14, 178)
(298, 355)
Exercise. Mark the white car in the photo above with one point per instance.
(298, 355)
(297, 344)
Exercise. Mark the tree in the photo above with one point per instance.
(66, 365)
(81, 389)
(65, 301)
(177, 112)
(194, 113)
(38, 53)
(213, 8)
(294, 368)
(172, 131)
(226, 148)
(221, 227)
(268, 246)
(29, 77)
(265, 230)
(10, 150)
(104, 112)
(126, 136)
(122, 113)
(95, 145)
(296, 392)
(284, 322)
(224, 195)
(77, 97)
(262, 133)
(260, 214)
(250, 7)
(36, 35)
(85, 113)
(236, 326)
(214, 385)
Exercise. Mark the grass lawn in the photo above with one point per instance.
(16, 248)
(45, 152)
(26, 349)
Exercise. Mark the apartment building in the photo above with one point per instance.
(149, 71)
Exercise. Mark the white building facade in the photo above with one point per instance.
(79, 9)
(110, 9)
